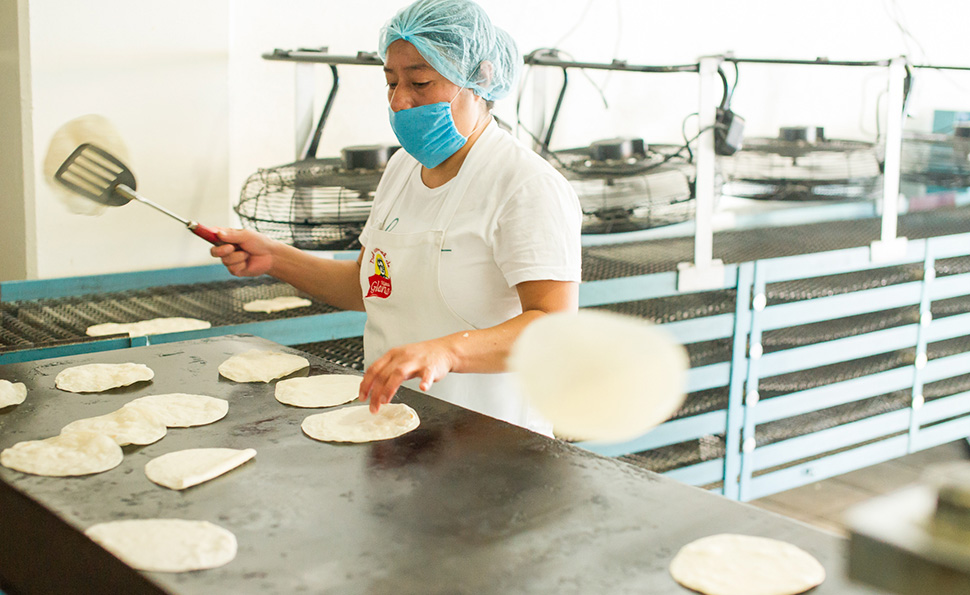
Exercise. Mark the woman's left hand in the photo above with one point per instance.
(428, 360)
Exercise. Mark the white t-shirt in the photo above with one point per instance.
(520, 220)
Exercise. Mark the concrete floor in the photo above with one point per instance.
(823, 503)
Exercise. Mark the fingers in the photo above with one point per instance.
(380, 384)
(385, 376)
(427, 361)
(245, 253)
(427, 379)
(234, 236)
(222, 250)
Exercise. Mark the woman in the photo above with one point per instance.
(471, 237)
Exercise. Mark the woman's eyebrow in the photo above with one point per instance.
(411, 67)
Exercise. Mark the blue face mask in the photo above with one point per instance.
(427, 132)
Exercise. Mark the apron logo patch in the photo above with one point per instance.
(379, 284)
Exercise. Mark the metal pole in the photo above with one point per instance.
(705, 272)
(304, 90)
(889, 247)
(704, 235)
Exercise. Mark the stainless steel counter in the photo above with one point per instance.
(463, 504)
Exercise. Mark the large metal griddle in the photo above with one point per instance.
(463, 504)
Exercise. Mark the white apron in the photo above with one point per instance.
(399, 278)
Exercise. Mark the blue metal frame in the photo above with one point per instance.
(751, 471)
(15, 291)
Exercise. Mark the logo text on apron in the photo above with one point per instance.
(380, 282)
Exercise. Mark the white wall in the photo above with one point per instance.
(14, 159)
(158, 71)
(200, 109)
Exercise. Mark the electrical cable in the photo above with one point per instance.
(631, 171)
(683, 132)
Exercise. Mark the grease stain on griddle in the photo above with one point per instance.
(256, 428)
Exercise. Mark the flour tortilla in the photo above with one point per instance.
(128, 425)
(185, 468)
(599, 376)
(155, 326)
(166, 545)
(95, 378)
(12, 393)
(358, 424)
(261, 366)
(277, 304)
(75, 453)
(728, 564)
(181, 410)
(327, 390)
(90, 128)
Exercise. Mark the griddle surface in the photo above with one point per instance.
(464, 504)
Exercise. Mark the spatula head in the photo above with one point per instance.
(94, 173)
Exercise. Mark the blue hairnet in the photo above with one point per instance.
(458, 40)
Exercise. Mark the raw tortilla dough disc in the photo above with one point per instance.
(277, 304)
(128, 425)
(728, 564)
(358, 424)
(180, 410)
(326, 390)
(90, 128)
(261, 366)
(155, 326)
(12, 393)
(166, 545)
(599, 376)
(76, 453)
(95, 378)
(185, 468)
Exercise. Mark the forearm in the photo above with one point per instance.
(335, 282)
(487, 350)
(484, 351)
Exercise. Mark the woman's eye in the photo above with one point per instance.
(391, 85)
(420, 85)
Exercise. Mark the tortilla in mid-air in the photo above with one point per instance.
(599, 376)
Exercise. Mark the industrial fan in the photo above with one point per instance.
(802, 165)
(624, 185)
(937, 159)
(315, 203)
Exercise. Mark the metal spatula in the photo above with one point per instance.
(95, 173)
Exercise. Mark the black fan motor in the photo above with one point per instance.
(617, 149)
(807, 134)
(367, 156)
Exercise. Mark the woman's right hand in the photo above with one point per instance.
(245, 253)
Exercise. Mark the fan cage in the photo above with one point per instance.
(936, 160)
(774, 169)
(630, 194)
(312, 204)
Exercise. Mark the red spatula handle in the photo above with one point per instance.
(206, 233)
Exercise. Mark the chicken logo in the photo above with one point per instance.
(379, 284)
